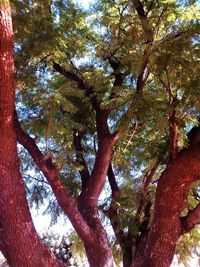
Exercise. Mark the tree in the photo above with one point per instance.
(19, 241)
(111, 94)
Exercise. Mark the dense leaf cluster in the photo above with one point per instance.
(66, 58)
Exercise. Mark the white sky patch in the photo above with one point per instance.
(84, 3)
(42, 223)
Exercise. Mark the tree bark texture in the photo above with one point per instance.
(84, 217)
(20, 244)
(171, 199)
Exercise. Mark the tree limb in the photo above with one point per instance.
(81, 83)
(113, 183)
(71, 76)
(192, 219)
(50, 171)
(106, 141)
(147, 182)
(144, 20)
(171, 195)
(119, 76)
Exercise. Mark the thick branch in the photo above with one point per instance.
(113, 63)
(49, 169)
(82, 84)
(194, 136)
(192, 219)
(113, 183)
(71, 76)
(171, 196)
(119, 76)
(106, 141)
(144, 20)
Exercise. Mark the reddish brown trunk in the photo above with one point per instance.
(21, 244)
(171, 197)
(100, 257)
(98, 254)
(88, 226)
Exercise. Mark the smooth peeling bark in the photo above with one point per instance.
(171, 199)
(21, 244)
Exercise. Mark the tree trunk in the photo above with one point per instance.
(21, 244)
(171, 199)
(127, 257)
(99, 254)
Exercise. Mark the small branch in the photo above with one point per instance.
(159, 21)
(173, 134)
(150, 7)
(192, 219)
(148, 179)
(135, 125)
(33, 178)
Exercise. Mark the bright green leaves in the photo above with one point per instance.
(106, 54)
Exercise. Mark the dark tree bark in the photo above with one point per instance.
(20, 242)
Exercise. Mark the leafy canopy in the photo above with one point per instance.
(109, 48)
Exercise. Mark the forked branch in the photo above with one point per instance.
(50, 171)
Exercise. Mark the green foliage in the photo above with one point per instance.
(188, 245)
(88, 45)
(59, 246)
(77, 247)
